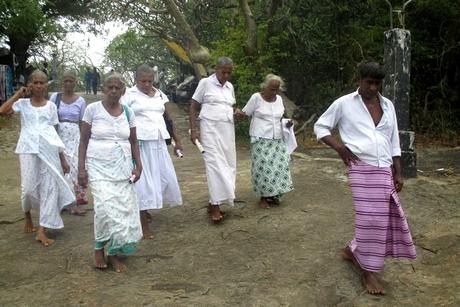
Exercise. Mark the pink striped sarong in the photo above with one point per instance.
(381, 228)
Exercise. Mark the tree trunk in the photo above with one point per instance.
(198, 54)
(271, 14)
(251, 47)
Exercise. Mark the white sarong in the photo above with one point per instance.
(43, 185)
(218, 140)
(70, 136)
(116, 213)
(158, 184)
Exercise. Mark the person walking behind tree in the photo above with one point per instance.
(270, 158)
(158, 185)
(108, 148)
(214, 99)
(370, 148)
(71, 108)
(88, 80)
(95, 80)
(41, 157)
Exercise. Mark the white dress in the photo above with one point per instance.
(218, 137)
(109, 164)
(42, 183)
(158, 186)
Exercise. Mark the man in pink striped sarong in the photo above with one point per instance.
(370, 148)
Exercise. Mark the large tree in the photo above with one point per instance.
(31, 23)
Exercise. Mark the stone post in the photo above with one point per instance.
(396, 86)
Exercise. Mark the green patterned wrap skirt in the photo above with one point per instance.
(270, 168)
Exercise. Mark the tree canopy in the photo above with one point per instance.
(314, 45)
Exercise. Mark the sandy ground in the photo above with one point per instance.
(284, 256)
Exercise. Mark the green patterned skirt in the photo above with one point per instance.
(270, 168)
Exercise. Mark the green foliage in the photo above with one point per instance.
(129, 50)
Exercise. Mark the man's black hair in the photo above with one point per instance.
(371, 69)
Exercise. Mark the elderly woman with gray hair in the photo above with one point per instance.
(271, 177)
(214, 98)
(158, 186)
(108, 147)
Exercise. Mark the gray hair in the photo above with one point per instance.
(69, 73)
(273, 77)
(143, 69)
(114, 76)
(222, 61)
(37, 73)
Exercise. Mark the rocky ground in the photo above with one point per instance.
(283, 256)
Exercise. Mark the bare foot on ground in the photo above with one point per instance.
(216, 215)
(263, 203)
(273, 200)
(146, 233)
(77, 210)
(117, 265)
(372, 284)
(29, 224)
(99, 259)
(149, 216)
(42, 238)
(370, 280)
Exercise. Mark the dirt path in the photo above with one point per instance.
(285, 256)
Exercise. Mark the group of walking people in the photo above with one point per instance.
(117, 147)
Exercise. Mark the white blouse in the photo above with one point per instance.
(150, 124)
(266, 117)
(36, 123)
(216, 100)
(375, 145)
(108, 132)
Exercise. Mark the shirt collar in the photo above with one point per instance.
(214, 79)
(135, 89)
(383, 101)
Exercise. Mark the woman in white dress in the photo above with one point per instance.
(158, 187)
(214, 99)
(270, 158)
(108, 148)
(71, 108)
(41, 157)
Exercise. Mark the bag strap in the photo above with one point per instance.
(57, 100)
(125, 109)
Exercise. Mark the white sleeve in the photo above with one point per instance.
(132, 118)
(18, 105)
(88, 116)
(328, 120)
(251, 105)
(53, 114)
(200, 91)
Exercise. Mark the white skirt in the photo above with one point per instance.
(116, 214)
(70, 136)
(218, 140)
(43, 185)
(158, 186)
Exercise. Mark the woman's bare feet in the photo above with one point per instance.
(99, 259)
(149, 216)
(77, 210)
(117, 265)
(273, 200)
(370, 280)
(215, 213)
(263, 203)
(146, 233)
(42, 238)
(29, 224)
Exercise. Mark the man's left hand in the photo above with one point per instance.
(398, 181)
